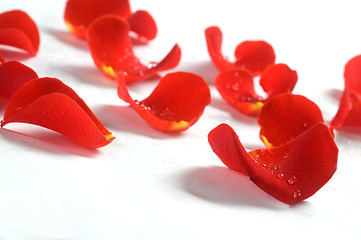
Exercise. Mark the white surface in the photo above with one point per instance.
(151, 185)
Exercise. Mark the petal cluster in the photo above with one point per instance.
(301, 156)
(176, 103)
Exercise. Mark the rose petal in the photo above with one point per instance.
(277, 79)
(17, 29)
(214, 45)
(255, 56)
(175, 104)
(13, 75)
(286, 116)
(79, 14)
(291, 172)
(112, 51)
(2, 60)
(49, 103)
(236, 87)
(143, 25)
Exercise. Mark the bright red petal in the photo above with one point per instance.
(18, 30)
(13, 75)
(291, 172)
(277, 79)
(214, 45)
(255, 56)
(175, 104)
(236, 87)
(112, 51)
(2, 60)
(80, 13)
(143, 25)
(286, 116)
(49, 103)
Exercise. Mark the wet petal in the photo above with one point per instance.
(17, 29)
(175, 104)
(277, 79)
(79, 14)
(49, 103)
(13, 75)
(237, 88)
(286, 116)
(112, 51)
(291, 172)
(143, 25)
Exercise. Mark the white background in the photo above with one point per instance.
(152, 185)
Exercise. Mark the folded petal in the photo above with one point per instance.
(286, 116)
(214, 45)
(255, 56)
(277, 79)
(291, 172)
(79, 14)
(49, 103)
(143, 25)
(237, 88)
(176, 103)
(17, 29)
(112, 51)
(13, 75)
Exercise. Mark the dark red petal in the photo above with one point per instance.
(112, 51)
(291, 172)
(214, 45)
(13, 75)
(175, 104)
(18, 30)
(286, 116)
(255, 56)
(49, 103)
(236, 87)
(143, 24)
(80, 13)
(277, 79)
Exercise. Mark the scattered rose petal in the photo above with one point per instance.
(18, 30)
(143, 25)
(236, 86)
(286, 116)
(255, 56)
(49, 103)
(349, 112)
(290, 172)
(112, 51)
(13, 75)
(175, 104)
(79, 14)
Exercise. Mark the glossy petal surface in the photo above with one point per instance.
(79, 14)
(13, 75)
(237, 88)
(49, 103)
(112, 51)
(143, 25)
(286, 116)
(291, 172)
(17, 29)
(176, 103)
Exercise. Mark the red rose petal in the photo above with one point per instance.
(79, 14)
(49, 103)
(236, 87)
(143, 24)
(112, 51)
(13, 75)
(175, 104)
(255, 56)
(18, 30)
(348, 114)
(214, 45)
(277, 79)
(2, 60)
(286, 116)
(291, 172)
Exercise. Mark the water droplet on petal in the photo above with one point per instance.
(235, 86)
(296, 194)
(280, 176)
(292, 180)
